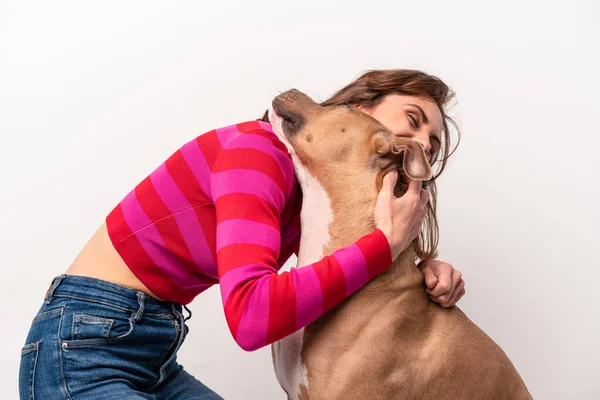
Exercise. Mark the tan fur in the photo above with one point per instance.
(388, 340)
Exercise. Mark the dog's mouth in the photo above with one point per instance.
(402, 183)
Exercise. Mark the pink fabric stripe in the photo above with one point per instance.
(254, 325)
(243, 231)
(227, 134)
(247, 181)
(261, 143)
(234, 277)
(134, 215)
(309, 296)
(266, 126)
(354, 267)
(150, 239)
(187, 221)
(194, 158)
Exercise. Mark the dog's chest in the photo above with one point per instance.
(316, 215)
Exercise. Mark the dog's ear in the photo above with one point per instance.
(414, 162)
(406, 151)
(381, 144)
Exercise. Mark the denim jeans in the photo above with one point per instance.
(93, 339)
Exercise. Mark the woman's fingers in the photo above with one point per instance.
(389, 182)
(443, 272)
(446, 298)
(459, 291)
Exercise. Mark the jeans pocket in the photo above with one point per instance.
(90, 326)
(29, 355)
(96, 325)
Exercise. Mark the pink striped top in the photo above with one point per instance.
(225, 208)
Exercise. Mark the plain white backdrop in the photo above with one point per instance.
(95, 95)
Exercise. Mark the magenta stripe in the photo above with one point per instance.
(261, 143)
(309, 296)
(240, 275)
(227, 133)
(134, 215)
(243, 231)
(254, 325)
(266, 126)
(187, 221)
(150, 239)
(168, 191)
(247, 181)
(193, 157)
(354, 267)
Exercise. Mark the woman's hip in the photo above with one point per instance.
(89, 333)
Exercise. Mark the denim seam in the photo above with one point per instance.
(55, 283)
(95, 301)
(47, 314)
(28, 348)
(33, 364)
(176, 341)
(37, 354)
(111, 305)
(59, 349)
(177, 332)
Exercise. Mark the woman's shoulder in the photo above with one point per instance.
(249, 132)
(249, 148)
(255, 137)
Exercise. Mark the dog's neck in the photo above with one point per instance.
(333, 218)
(325, 227)
(316, 214)
(315, 218)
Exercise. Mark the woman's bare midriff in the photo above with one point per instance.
(100, 260)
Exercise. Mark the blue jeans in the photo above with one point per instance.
(93, 339)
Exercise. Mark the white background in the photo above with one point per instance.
(95, 95)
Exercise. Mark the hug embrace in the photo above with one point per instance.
(348, 186)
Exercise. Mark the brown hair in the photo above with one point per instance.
(368, 90)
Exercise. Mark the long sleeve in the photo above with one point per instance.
(250, 186)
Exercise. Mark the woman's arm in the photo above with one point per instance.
(262, 306)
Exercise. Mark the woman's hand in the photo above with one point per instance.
(444, 283)
(400, 219)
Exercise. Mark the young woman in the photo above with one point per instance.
(224, 209)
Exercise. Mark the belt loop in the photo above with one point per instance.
(55, 282)
(141, 298)
(189, 313)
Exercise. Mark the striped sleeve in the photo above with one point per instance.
(249, 188)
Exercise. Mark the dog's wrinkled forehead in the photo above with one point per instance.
(323, 133)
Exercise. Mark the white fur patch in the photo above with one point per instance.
(315, 218)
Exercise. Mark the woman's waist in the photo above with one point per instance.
(100, 260)
(139, 262)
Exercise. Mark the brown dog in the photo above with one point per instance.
(388, 340)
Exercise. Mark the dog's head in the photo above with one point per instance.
(343, 141)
